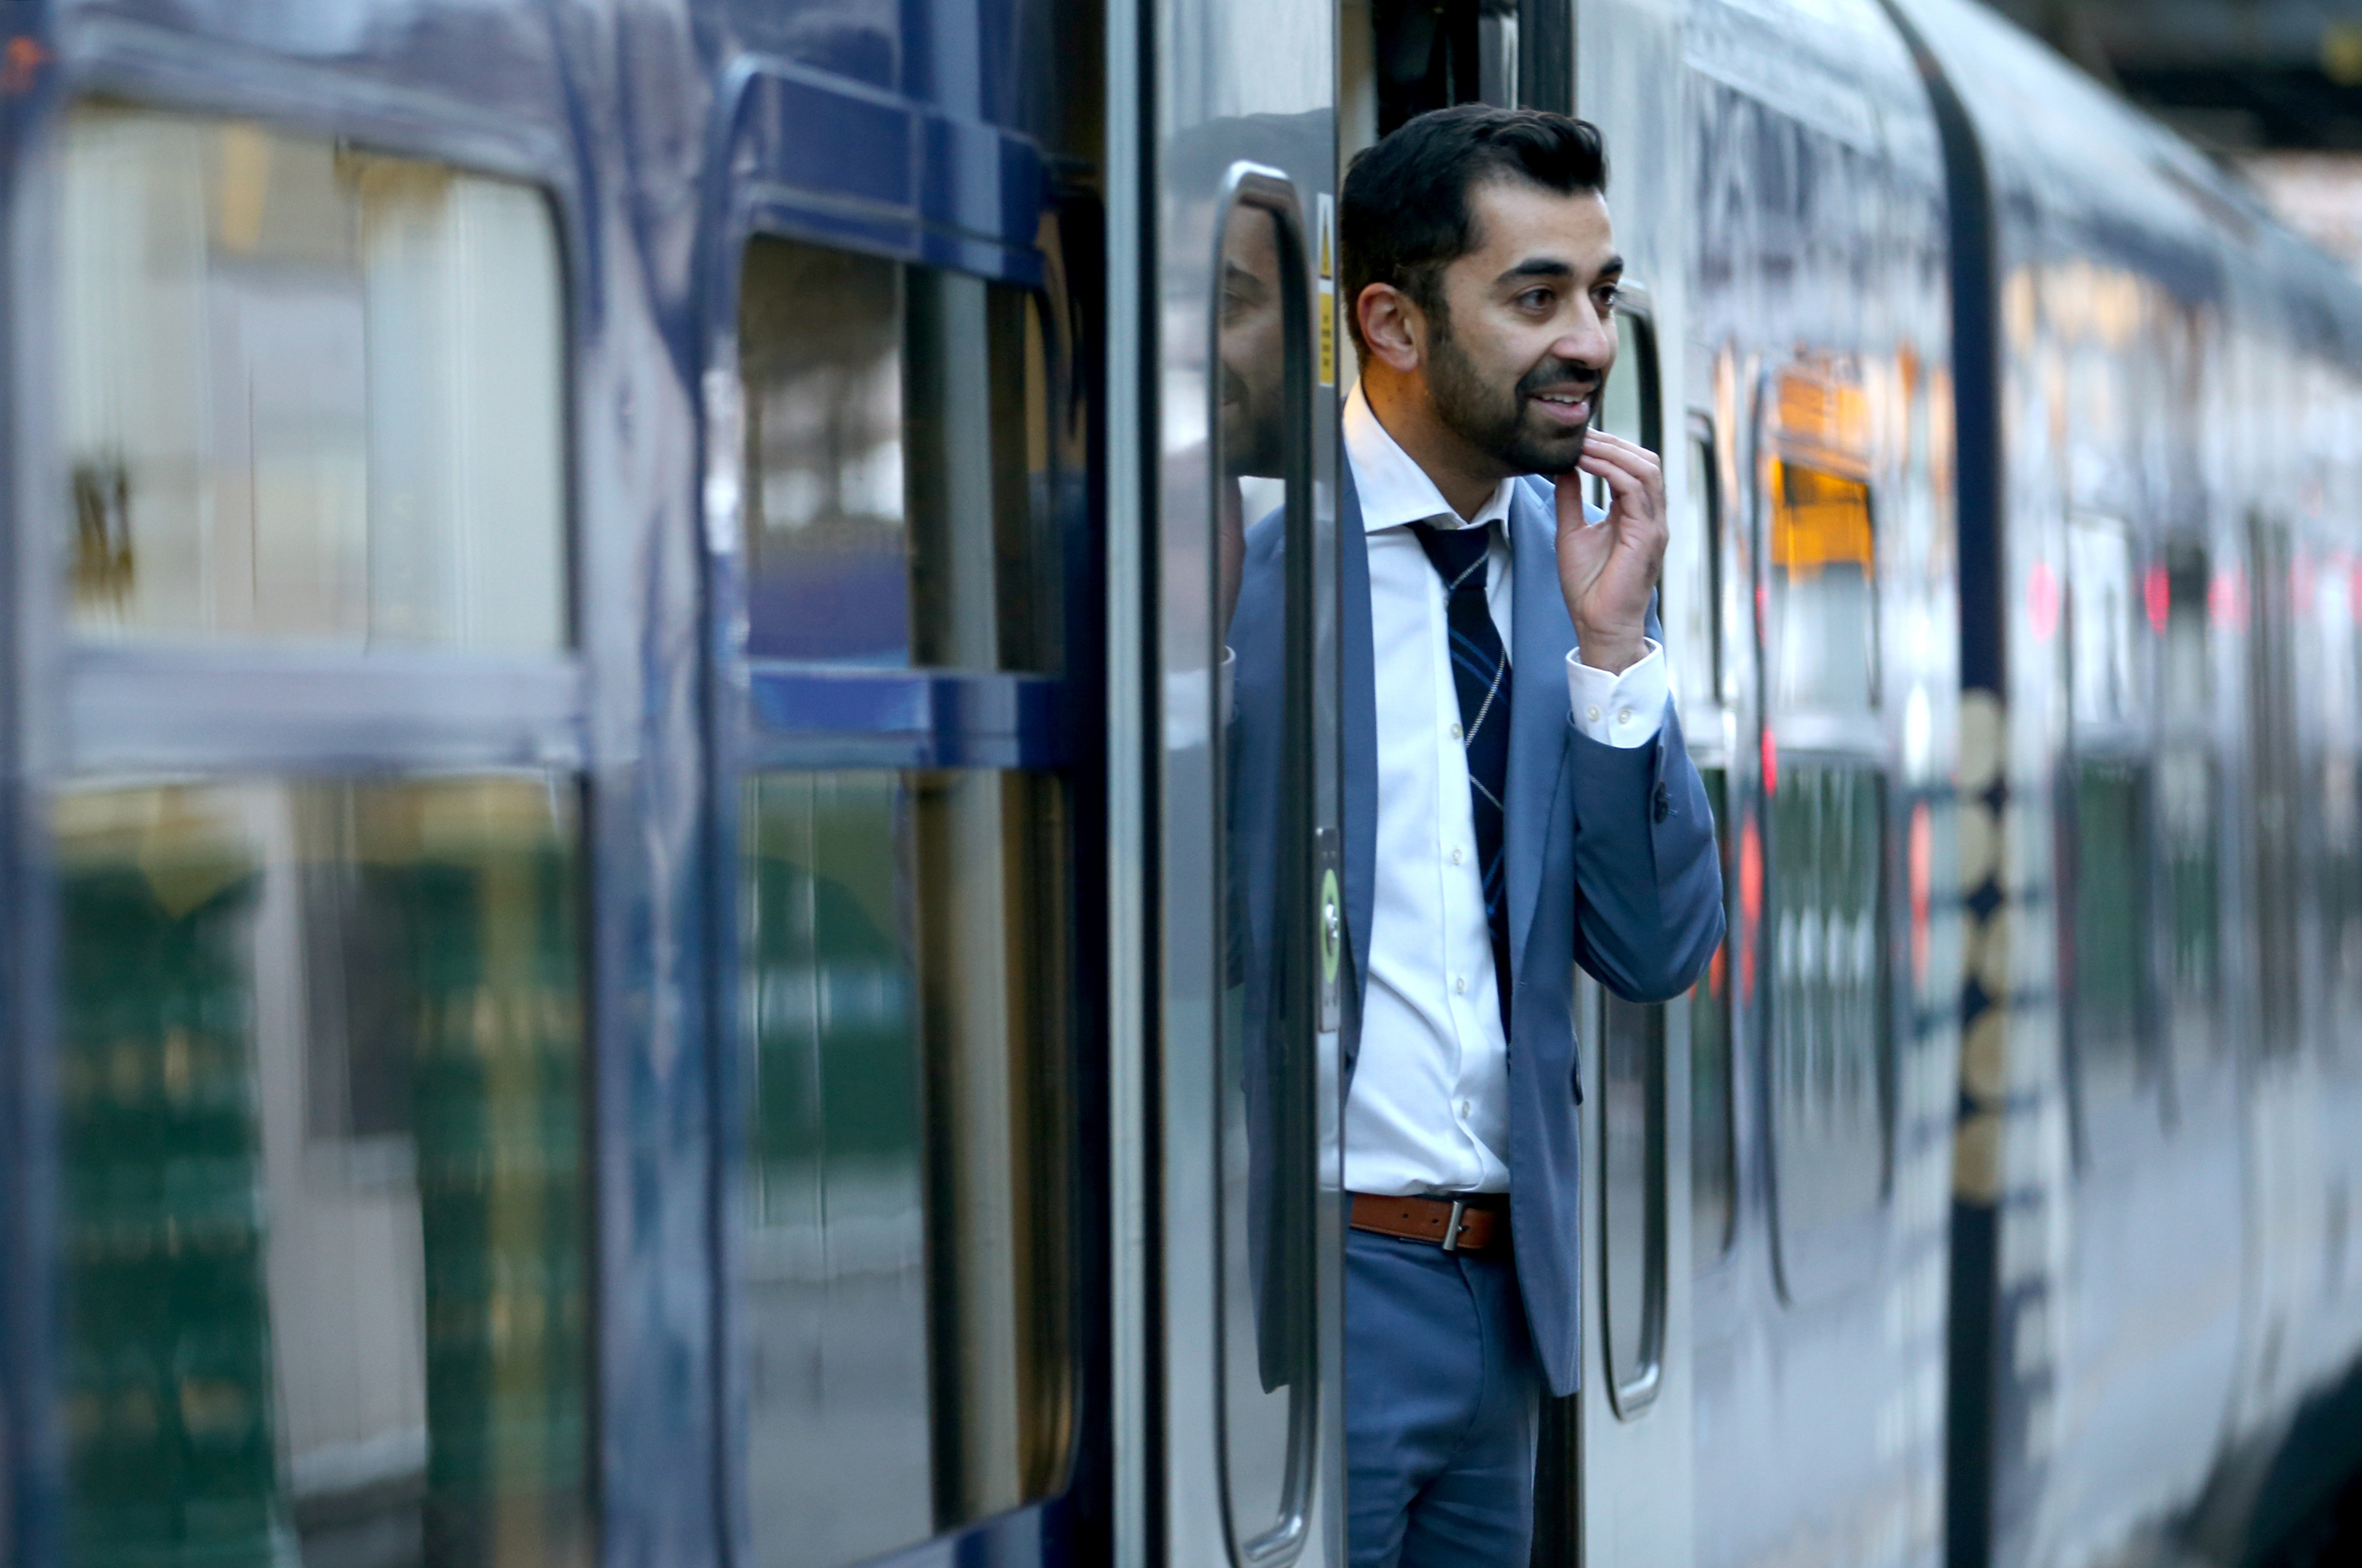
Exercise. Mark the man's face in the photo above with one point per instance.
(1517, 355)
(1248, 336)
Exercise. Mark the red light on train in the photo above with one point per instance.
(1750, 904)
(2226, 599)
(1770, 763)
(2042, 601)
(2156, 591)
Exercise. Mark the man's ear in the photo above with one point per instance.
(1394, 327)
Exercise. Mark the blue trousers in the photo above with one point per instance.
(1442, 1400)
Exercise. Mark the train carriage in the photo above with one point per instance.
(624, 942)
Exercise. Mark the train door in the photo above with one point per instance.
(1226, 873)
(1613, 1469)
(905, 737)
(313, 1037)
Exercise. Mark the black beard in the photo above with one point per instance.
(1254, 440)
(1494, 422)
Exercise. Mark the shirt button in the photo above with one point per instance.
(1460, 985)
(1624, 717)
(1456, 732)
(1457, 857)
(1592, 713)
(1464, 1108)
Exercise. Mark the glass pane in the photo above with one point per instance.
(2335, 787)
(2274, 785)
(1264, 1114)
(1714, 1181)
(1702, 614)
(897, 455)
(1824, 610)
(2187, 825)
(306, 392)
(1830, 1009)
(2105, 610)
(2109, 883)
(1632, 1158)
(325, 1215)
(907, 1106)
(2189, 674)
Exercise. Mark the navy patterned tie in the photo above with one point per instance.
(1480, 673)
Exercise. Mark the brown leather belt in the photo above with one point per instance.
(1471, 1223)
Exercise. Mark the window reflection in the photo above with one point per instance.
(2187, 808)
(1829, 1006)
(2109, 959)
(905, 1267)
(1632, 1167)
(1823, 584)
(326, 1243)
(898, 490)
(306, 392)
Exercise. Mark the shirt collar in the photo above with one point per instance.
(1394, 490)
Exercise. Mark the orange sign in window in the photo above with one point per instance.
(1818, 519)
(1825, 414)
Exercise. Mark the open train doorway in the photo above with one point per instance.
(1626, 1436)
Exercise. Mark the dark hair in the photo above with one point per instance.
(1405, 213)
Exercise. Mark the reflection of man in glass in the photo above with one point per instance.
(1516, 799)
(1247, 335)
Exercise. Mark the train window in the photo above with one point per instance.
(2337, 870)
(2106, 885)
(2188, 806)
(2189, 667)
(1830, 1058)
(1824, 613)
(2104, 606)
(906, 1276)
(1703, 618)
(306, 392)
(268, 1360)
(1632, 1205)
(896, 437)
(2272, 758)
(1714, 1171)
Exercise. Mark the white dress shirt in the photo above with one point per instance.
(1429, 1107)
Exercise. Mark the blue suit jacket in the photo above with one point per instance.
(1610, 857)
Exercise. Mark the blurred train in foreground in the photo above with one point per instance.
(608, 711)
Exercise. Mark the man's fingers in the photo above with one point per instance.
(1601, 441)
(1625, 477)
(1621, 457)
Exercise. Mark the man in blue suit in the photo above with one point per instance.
(1517, 799)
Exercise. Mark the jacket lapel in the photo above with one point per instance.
(1541, 636)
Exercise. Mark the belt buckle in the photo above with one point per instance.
(1451, 1226)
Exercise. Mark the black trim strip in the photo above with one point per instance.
(1972, 1350)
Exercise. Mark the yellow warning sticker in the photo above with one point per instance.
(1327, 308)
(1324, 214)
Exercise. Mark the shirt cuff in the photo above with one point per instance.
(1625, 709)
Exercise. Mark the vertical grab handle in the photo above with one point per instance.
(1299, 928)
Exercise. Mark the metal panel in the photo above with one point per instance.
(209, 711)
(835, 161)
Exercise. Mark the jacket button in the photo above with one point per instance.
(1661, 804)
